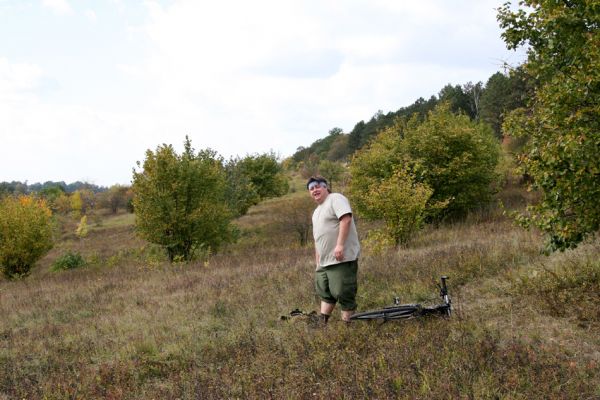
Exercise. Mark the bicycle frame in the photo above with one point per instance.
(407, 311)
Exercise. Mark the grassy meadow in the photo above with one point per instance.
(128, 325)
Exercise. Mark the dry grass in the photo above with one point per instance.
(138, 328)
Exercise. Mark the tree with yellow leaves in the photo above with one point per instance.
(25, 234)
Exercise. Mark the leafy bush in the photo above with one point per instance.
(400, 202)
(447, 154)
(179, 201)
(561, 120)
(265, 174)
(455, 156)
(68, 260)
(25, 233)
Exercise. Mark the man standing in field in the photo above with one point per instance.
(336, 249)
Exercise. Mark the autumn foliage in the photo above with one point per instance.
(25, 233)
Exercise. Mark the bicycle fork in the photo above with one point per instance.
(444, 294)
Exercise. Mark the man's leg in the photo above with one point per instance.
(327, 301)
(343, 286)
(346, 315)
(327, 308)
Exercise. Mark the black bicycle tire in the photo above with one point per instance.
(405, 311)
(391, 312)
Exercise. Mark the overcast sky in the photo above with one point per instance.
(86, 87)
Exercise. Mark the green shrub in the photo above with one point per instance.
(449, 153)
(400, 202)
(69, 260)
(179, 201)
(25, 234)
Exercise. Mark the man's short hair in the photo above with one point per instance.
(316, 178)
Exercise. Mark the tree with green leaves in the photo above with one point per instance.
(51, 194)
(240, 192)
(458, 99)
(375, 163)
(179, 201)
(451, 154)
(562, 119)
(333, 171)
(455, 156)
(399, 200)
(502, 94)
(25, 233)
(339, 149)
(265, 174)
(252, 179)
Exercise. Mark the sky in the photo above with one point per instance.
(87, 87)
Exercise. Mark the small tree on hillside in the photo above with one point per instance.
(82, 228)
(51, 194)
(266, 175)
(114, 198)
(333, 171)
(62, 204)
(25, 234)
(88, 201)
(310, 166)
(179, 201)
(76, 203)
(455, 156)
(240, 192)
(562, 119)
(400, 202)
(375, 163)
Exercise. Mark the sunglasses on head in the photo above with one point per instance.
(315, 184)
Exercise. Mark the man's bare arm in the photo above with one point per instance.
(345, 221)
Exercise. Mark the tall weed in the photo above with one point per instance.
(570, 290)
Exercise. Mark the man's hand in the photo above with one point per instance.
(339, 252)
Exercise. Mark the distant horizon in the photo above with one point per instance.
(57, 183)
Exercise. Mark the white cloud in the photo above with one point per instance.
(288, 71)
(91, 15)
(237, 76)
(18, 81)
(60, 7)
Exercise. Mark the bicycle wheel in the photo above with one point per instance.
(404, 311)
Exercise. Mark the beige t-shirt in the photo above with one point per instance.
(326, 226)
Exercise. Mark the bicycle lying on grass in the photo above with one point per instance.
(407, 311)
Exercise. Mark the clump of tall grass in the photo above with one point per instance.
(568, 287)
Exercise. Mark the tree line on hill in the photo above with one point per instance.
(16, 187)
(489, 103)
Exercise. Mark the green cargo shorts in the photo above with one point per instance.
(337, 284)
